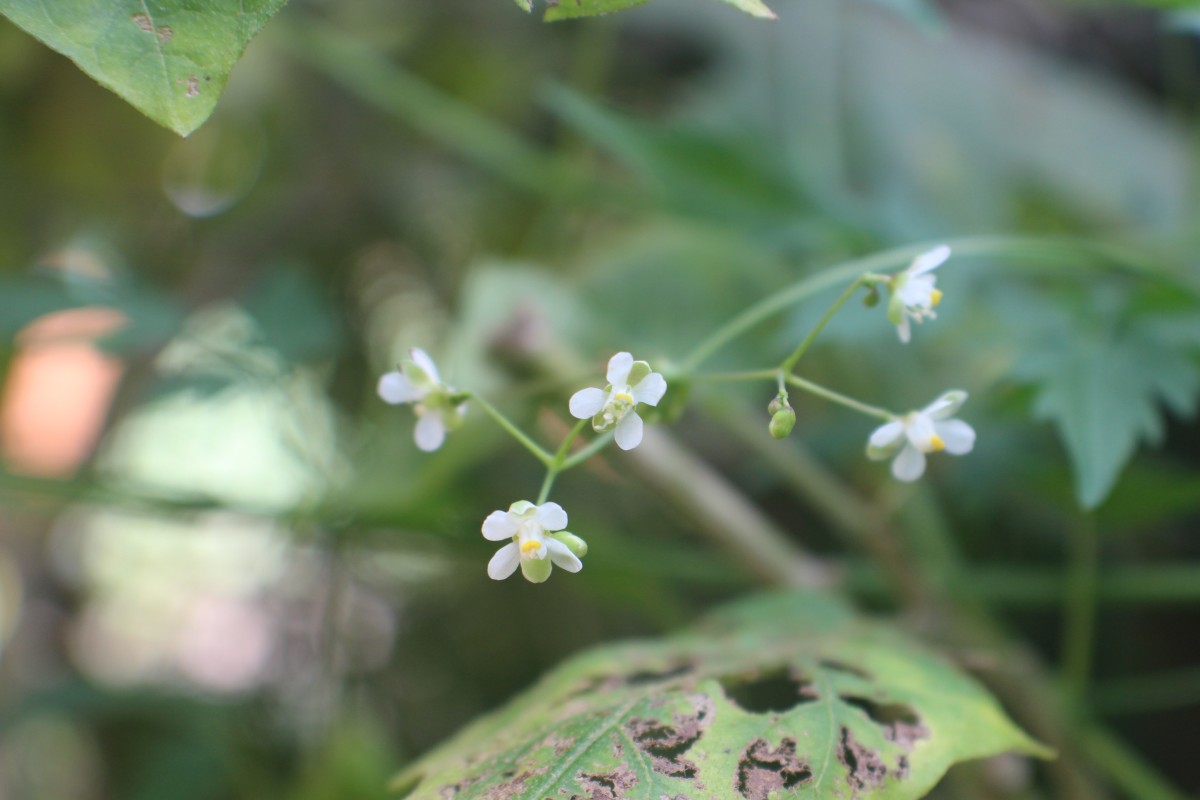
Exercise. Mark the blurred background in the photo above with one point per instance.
(225, 569)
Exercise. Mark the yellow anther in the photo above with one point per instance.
(628, 398)
(937, 443)
(935, 297)
(529, 546)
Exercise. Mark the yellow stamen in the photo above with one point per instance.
(529, 546)
(628, 398)
(935, 297)
(937, 443)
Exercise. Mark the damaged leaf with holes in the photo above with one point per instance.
(170, 59)
(789, 695)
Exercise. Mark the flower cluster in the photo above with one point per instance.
(913, 292)
(917, 433)
(417, 382)
(538, 541)
(614, 408)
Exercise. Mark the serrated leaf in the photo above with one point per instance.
(783, 696)
(1102, 378)
(572, 9)
(169, 58)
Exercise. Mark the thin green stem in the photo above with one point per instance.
(1127, 768)
(840, 399)
(1062, 251)
(558, 464)
(789, 363)
(1146, 693)
(733, 377)
(1079, 610)
(504, 422)
(596, 445)
(547, 485)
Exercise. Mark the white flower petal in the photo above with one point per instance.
(909, 465)
(904, 330)
(394, 388)
(430, 432)
(551, 517)
(499, 526)
(886, 436)
(586, 403)
(958, 436)
(930, 260)
(422, 360)
(505, 562)
(618, 368)
(628, 434)
(650, 389)
(918, 427)
(947, 405)
(917, 292)
(562, 556)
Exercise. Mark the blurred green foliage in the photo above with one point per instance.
(524, 200)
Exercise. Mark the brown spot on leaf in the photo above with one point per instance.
(612, 785)
(666, 744)
(864, 768)
(164, 33)
(762, 770)
(900, 723)
(193, 86)
(146, 25)
(513, 787)
(452, 790)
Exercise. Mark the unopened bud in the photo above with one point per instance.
(783, 418)
(871, 298)
(574, 543)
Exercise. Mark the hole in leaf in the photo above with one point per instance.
(899, 722)
(665, 744)
(612, 785)
(841, 666)
(763, 771)
(777, 690)
(647, 676)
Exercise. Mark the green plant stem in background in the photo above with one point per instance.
(1079, 610)
(840, 399)
(1126, 768)
(504, 422)
(1146, 693)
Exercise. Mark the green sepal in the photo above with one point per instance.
(536, 570)
(638, 371)
(574, 543)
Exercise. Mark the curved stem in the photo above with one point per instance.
(518, 434)
(598, 444)
(840, 399)
(558, 464)
(731, 377)
(789, 363)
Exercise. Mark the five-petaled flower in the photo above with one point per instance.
(614, 408)
(929, 430)
(913, 293)
(417, 382)
(538, 541)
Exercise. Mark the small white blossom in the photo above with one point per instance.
(614, 408)
(538, 541)
(929, 430)
(913, 294)
(417, 382)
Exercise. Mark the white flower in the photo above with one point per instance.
(417, 382)
(929, 430)
(538, 540)
(913, 293)
(615, 406)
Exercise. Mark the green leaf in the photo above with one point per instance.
(169, 58)
(1102, 371)
(571, 9)
(781, 696)
(755, 8)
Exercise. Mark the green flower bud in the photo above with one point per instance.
(871, 298)
(782, 422)
(574, 543)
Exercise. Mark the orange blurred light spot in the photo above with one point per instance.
(58, 391)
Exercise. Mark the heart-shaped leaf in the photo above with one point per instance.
(169, 58)
(779, 697)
